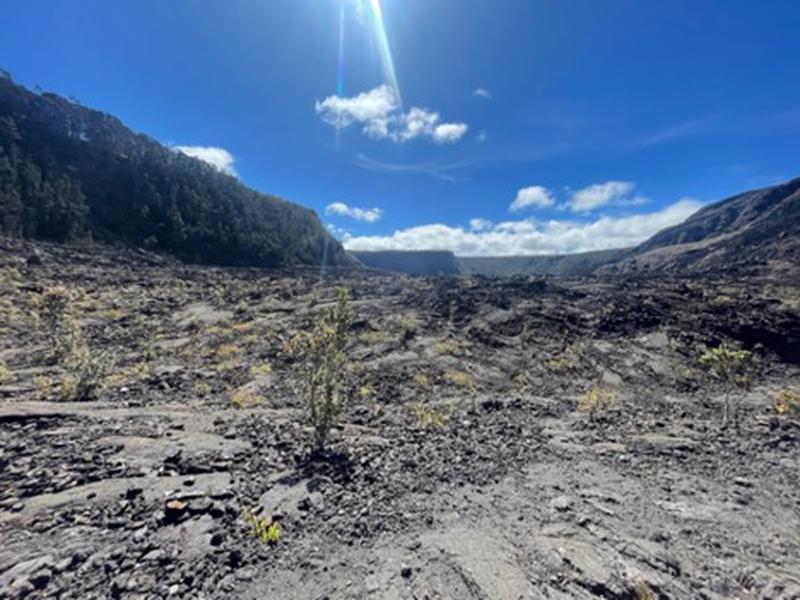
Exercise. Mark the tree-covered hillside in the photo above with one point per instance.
(69, 173)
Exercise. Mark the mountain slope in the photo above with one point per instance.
(760, 228)
(69, 173)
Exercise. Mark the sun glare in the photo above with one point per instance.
(371, 14)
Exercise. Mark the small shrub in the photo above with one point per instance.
(644, 591)
(596, 400)
(460, 378)
(245, 327)
(10, 279)
(375, 337)
(226, 351)
(261, 370)
(86, 373)
(86, 370)
(728, 366)
(267, 530)
(429, 417)
(55, 315)
(558, 365)
(202, 388)
(44, 386)
(446, 348)
(321, 365)
(127, 375)
(787, 402)
(421, 380)
(245, 399)
(522, 380)
(5, 373)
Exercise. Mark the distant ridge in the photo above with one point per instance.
(756, 229)
(444, 262)
(561, 265)
(69, 173)
(411, 262)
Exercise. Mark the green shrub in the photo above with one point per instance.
(787, 402)
(86, 370)
(728, 366)
(264, 529)
(596, 400)
(5, 373)
(322, 367)
(57, 318)
(430, 417)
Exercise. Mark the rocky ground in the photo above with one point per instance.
(463, 468)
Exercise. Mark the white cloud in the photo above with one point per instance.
(447, 133)
(378, 111)
(480, 224)
(599, 194)
(367, 215)
(482, 92)
(535, 195)
(371, 108)
(529, 237)
(217, 157)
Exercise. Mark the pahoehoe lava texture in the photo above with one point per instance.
(140, 493)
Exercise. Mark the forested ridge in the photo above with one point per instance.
(69, 174)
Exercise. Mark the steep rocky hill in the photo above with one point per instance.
(759, 229)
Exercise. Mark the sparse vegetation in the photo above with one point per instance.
(44, 386)
(127, 375)
(261, 370)
(787, 402)
(60, 325)
(460, 379)
(558, 365)
(227, 351)
(322, 367)
(245, 398)
(596, 400)
(522, 380)
(86, 370)
(446, 347)
(421, 380)
(644, 591)
(202, 388)
(430, 417)
(267, 530)
(5, 373)
(728, 366)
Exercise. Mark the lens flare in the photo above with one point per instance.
(340, 67)
(382, 41)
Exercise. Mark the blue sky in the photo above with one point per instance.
(482, 126)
